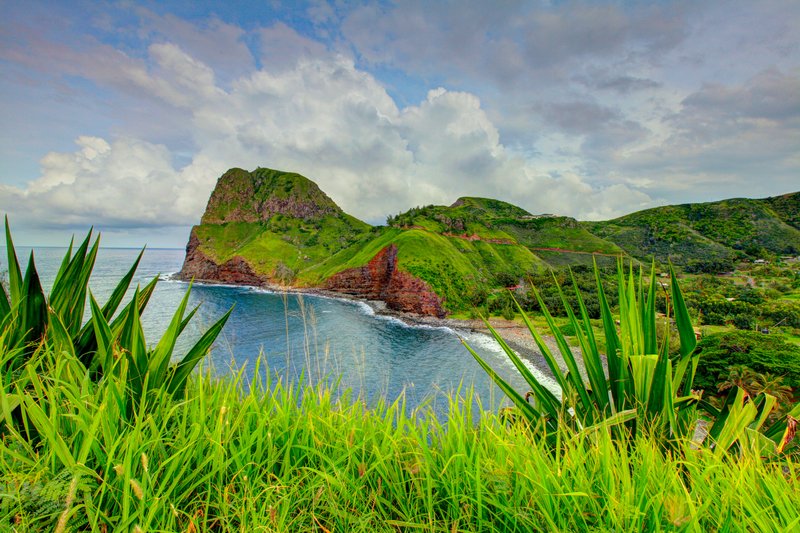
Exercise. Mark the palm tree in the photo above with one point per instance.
(741, 376)
(772, 384)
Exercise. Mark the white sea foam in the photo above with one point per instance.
(485, 343)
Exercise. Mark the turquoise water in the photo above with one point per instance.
(319, 338)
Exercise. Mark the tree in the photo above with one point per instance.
(739, 376)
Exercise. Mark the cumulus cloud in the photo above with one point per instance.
(125, 183)
(579, 108)
(324, 118)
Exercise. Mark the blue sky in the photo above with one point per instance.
(121, 115)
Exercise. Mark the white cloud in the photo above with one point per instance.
(575, 108)
(324, 118)
(128, 182)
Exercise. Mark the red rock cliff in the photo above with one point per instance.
(380, 279)
(198, 266)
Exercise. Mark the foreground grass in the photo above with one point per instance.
(242, 455)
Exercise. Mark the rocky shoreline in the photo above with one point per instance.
(513, 333)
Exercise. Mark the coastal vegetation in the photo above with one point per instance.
(246, 453)
(269, 226)
(710, 236)
(644, 385)
(109, 435)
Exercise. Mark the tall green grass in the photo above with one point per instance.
(643, 386)
(250, 453)
(99, 433)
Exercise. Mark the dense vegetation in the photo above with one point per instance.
(100, 432)
(233, 455)
(760, 353)
(708, 236)
(644, 384)
(291, 232)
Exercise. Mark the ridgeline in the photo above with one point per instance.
(268, 227)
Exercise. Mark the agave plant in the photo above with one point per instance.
(110, 341)
(644, 386)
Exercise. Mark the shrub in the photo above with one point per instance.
(761, 353)
(744, 321)
(109, 343)
(646, 387)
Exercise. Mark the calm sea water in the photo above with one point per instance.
(317, 337)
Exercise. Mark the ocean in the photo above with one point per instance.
(306, 337)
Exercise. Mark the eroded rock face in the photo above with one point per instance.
(198, 266)
(241, 196)
(381, 280)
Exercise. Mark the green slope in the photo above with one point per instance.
(553, 241)
(714, 231)
(289, 230)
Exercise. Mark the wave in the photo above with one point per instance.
(481, 342)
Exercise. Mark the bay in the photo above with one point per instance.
(300, 335)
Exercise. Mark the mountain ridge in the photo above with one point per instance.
(279, 228)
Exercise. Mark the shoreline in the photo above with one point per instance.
(514, 334)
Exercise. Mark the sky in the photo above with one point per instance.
(122, 115)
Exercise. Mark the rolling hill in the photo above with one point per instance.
(279, 228)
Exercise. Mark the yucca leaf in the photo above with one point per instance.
(649, 314)
(660, 401)
(617, 366)
(733, 396)
(159, 357)
(587, 414)
(617, 419)
(783, 431)
(14, 273)
(544, 397)
(33, 306)
(65, 286)
(740, 416)
(183, 369)
(64, 262)
(5, 305)
(188, 318)
(590, 353)
(642, 368)
(132, 342)
(85, 343)
(755, 444)
(528, 411)
(686, 334)
(630, 319)
(58, 336)
(552, 364)
(78, 301)
(141, 301)
(765, 403)
(104, 355)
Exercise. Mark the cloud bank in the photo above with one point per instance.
(584, 109)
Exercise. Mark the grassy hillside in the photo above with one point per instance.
(280, 222)
(242, 196)
(787, 207)
(289, 230)
(492, 221)
(716, 231)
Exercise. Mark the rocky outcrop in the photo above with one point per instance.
(241, 196)
(200, 267)
(380, 279)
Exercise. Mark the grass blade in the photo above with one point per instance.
(198, 351)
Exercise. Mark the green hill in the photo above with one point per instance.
(268, 226)
(280, 223)
(708, 233)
